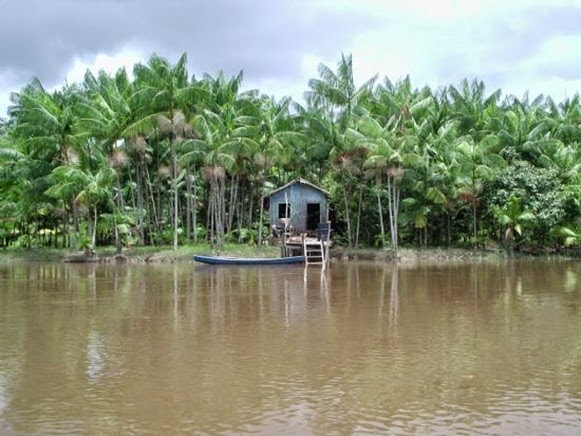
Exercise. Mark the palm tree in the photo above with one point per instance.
(386, 162)
(106, 115)
(46, 123)
(79, 187)
(397, 110)
(13, 181)
(322, 139)
(565, 123)
(272, 136)
(447, 185)
(224, 132)
(478, 162)
(522, 132)
(192, 158)
(336, 92)
(277, 131)
(166, 96)
(215, 163)
(477, 113)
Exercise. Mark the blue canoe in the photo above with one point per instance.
(219, 260)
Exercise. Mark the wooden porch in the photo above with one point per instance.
(315, 249)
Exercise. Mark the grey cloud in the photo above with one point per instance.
(45, 36)
(536, 26)
(494, 50)
(265, 38)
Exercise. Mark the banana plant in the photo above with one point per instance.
(514, 219)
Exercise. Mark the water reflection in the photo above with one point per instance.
(360, 347)
(394, 297)
(393, 310)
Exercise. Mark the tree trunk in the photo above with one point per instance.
(393, 207)
(217, 209)
(94, 230)
(75, 231)
(378, 194)
(250, 208)
(140, 211)
(117, 236)
(195, 214)
(260, 220)
(240, 215)
(350, 242)
(448, 229)
(154, 210)
(222, 204)
(209, 216)
(359, 206)
(395, 217)
(233, 203)
(188, 205)
(474, 225)
(120, 207)
(475, 229)
(65, 231)
(174, 164)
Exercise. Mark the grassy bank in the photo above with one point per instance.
(160, 254)
(166, 254)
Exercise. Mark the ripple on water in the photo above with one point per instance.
(464, 350)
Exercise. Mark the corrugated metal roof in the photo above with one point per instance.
(301, 181)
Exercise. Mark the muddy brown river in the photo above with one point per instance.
(365, 348)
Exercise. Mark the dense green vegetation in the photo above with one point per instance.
(158, 157)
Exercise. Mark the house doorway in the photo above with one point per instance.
(313, 215)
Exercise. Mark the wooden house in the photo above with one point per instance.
(299, 206)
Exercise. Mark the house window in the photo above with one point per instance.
(283, 210)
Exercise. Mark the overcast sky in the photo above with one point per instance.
(514, 45)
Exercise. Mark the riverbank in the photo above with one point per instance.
(419, 255)
(184, 254)
(160, 254)
(451, 255)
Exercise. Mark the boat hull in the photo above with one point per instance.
(217, 260)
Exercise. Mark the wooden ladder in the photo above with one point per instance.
(314, 252)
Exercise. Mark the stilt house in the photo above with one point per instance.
(300, 206)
